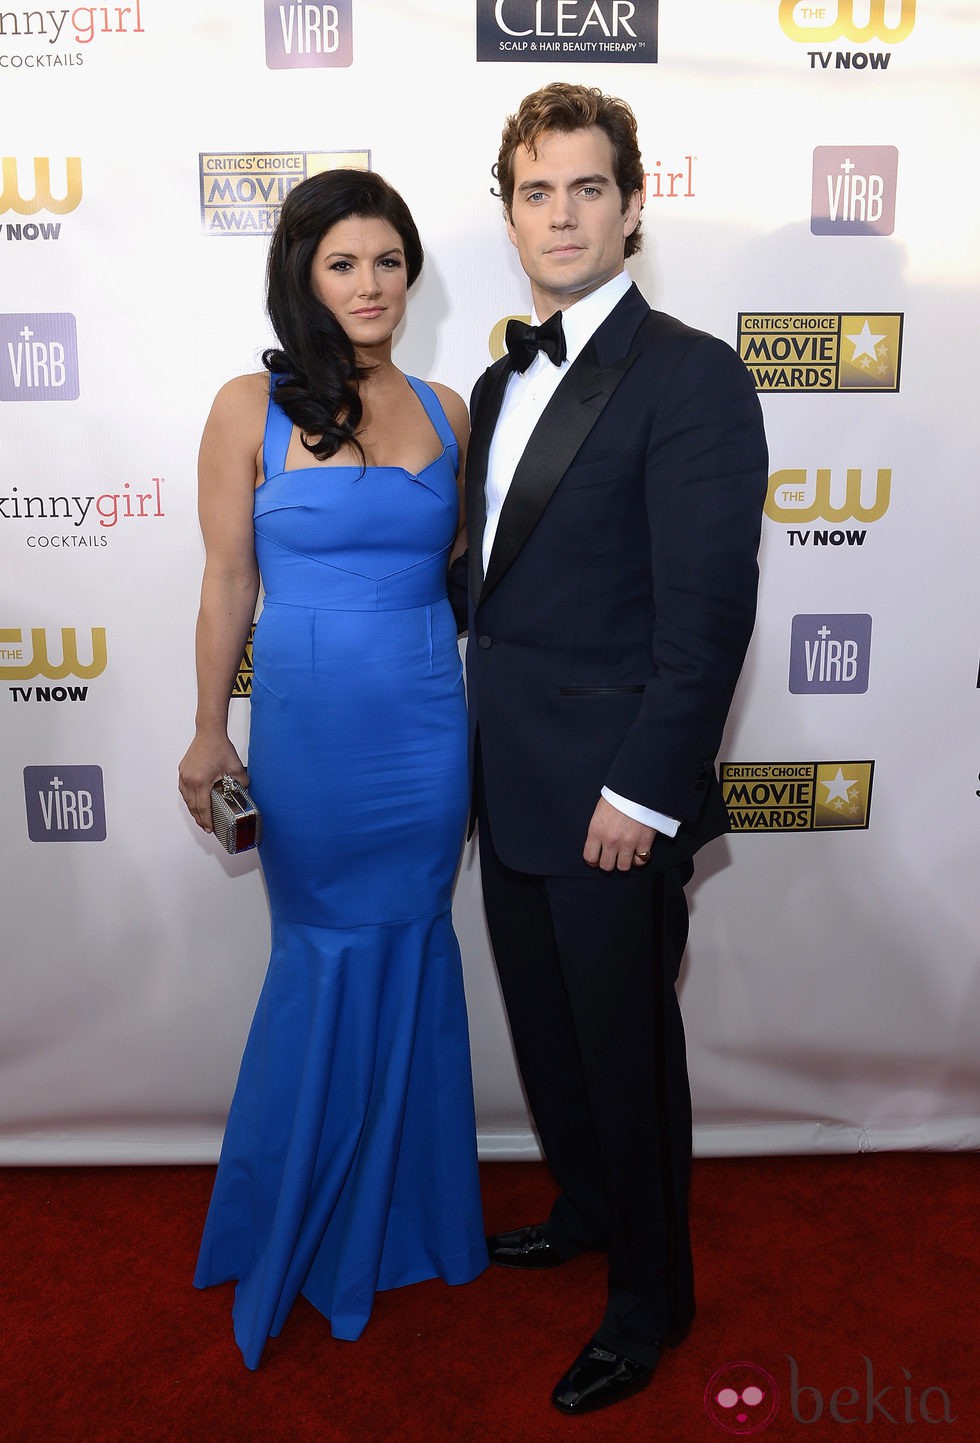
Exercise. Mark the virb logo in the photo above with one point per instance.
(65, 804)
(300, 35)
(830, 654)
(38, 357)
(853, 190)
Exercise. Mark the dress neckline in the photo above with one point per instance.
(360, 470)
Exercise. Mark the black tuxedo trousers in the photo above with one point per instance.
(588, 967)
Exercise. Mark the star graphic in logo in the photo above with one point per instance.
(838, 788)
(865, 343)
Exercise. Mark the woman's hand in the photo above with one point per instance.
(206, 760)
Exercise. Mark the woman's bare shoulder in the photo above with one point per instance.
(240, 405)
(244, 393)
(454, 407)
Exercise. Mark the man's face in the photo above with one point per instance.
(567, 220)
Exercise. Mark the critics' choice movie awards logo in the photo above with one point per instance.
(54, 657)
(242, 192)
(65, 804)
(299, 35)
(42, 39)
(38, 357)
(743, 1398)
(794, 497)
(856, 21)
(830, 654)
(797, 796)
(842, 351)
(243, 678)
(854, 190)
(27, 189)
(622, 31)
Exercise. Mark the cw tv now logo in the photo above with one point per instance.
(65, 804)
(54, 662)
(857, 21)
(27, 197)
(796, 496)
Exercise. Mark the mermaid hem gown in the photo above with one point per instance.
(348, 1163)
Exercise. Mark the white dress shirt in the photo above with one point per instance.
(525, 398)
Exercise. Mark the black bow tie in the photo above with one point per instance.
(524, 342)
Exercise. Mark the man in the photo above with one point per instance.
(614, 496)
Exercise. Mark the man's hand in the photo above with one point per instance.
(615, 842)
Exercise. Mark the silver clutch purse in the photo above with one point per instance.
(236, 820)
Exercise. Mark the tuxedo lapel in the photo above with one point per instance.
(566, 422)
(555, 441)
(485, 412)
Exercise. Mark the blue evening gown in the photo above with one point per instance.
(349, 1158)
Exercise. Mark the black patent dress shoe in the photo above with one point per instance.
(599, 1378)
(524, 1248)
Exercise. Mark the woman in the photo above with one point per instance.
(349, 1160)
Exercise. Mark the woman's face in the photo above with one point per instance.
(359, 274)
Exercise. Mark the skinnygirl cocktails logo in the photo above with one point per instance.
(45, 39)
(68, 522)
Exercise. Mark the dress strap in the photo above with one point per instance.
(279, 428)
(275, 442)
(434, 411)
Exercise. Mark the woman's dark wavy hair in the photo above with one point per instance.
(315, 367)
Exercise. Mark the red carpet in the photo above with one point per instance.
(848, 1283)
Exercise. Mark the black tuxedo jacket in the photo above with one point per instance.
(607, 636)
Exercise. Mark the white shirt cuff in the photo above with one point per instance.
(668, 825)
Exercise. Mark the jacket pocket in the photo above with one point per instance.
(600, 690)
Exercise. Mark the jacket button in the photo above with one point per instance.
(486, 642)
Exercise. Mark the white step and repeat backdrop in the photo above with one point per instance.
(811, 198)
